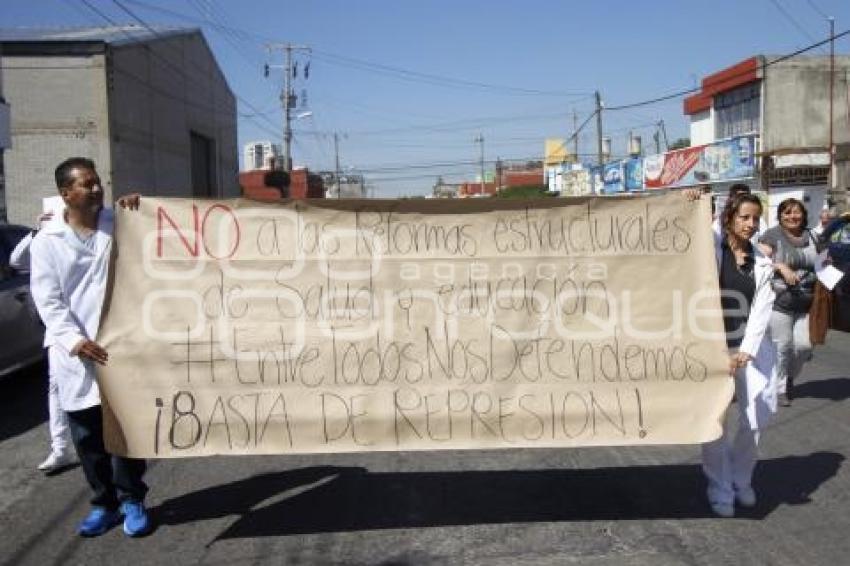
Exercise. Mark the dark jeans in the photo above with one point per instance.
(113, 479)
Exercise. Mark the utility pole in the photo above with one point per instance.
(598, 128)
(480, 139)
(336, 157)
(664, 134)
(831, 98)
(575, 138)
(287, 96)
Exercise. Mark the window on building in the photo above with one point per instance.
(737, 111)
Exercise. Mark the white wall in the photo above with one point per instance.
(702, 127)
(812, 196)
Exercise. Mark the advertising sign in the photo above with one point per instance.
(678, 168)
(596, 180)
(612, 178)
(720, 161)
(576, 183)
(633, 174)
(728, 159)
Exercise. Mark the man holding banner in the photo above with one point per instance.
(70, 264)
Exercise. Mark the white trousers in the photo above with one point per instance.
(60, 434)
(790, 332)
(729, 461)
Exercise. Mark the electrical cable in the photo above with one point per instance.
(436, 80)
(791, 19)
(816, 9)
(729, 78)
(179, 70)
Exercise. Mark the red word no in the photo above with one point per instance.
(198, 230)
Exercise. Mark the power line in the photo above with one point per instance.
(443, 164)
(122, 29)
(187, 18)
(729, 78)
(143, 82)
(465, 124)
(178, 70)
(431, 77)
(211, 18)
(438, 80)
(791, 19)
(453, 171)
(576, 133)
(816, 9)
(405, 143)
(405, 74)
(403, 71)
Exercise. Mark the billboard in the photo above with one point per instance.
(612, 178)
(556, 151)
(724, 160)
(633, 174)
(597, 185)
(576, 183)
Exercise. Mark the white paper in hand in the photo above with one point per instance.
(829, 275)
(55, 205)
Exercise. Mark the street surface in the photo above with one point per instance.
(580, 506)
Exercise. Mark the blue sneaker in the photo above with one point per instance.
(136, 521)
(98, 521)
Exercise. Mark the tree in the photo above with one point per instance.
(524, 191)
(680, 143)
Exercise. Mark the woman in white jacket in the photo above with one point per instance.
(61, 451)
(747, 299)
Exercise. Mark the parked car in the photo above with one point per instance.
(21, 331)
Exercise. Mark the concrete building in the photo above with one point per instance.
(151, 107)
(477, 189)
(442, 189)
(786, 103)
(509, 178)
(261, 155)
(349, 185)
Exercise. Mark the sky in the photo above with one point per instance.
(407, 87)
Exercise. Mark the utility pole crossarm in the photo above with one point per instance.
(287, 96)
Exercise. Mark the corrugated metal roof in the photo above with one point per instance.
(113, 35)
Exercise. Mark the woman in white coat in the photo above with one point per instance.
(747, 300)
(61, 451)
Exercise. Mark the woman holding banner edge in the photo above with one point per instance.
(747, 301)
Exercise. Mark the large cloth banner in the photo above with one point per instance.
(242, 327)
